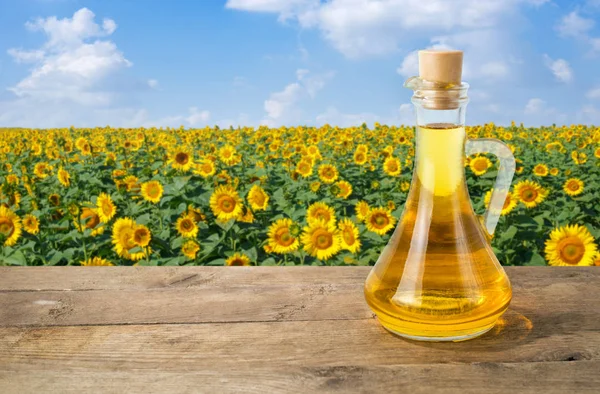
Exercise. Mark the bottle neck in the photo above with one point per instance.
(440, 141)
(427, 116)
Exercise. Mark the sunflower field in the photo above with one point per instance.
(274, 196)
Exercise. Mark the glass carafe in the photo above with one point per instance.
(438, 278)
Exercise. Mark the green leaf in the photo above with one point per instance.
(509, 233)
(536, 260)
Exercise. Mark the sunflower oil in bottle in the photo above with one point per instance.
(438, 278)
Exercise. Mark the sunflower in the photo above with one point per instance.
(42, 170)
(132, 183)
(190, 249)
(315, 186)
(379, 220)
(283, 236)
(12, 179)
(123, 239)
(246, 216)
(319, 211)
(362, 210)
(479, 165)
(54, 199)
(227, 154)
(205, 168)
(182, 161)
(225, 203)
(344, 189)
(186, 227)
(510, 202)
(540, 170)
(88, 218)
(349, 235)
(328, 173)
(152, 191)
(63, 177)
(404, 186)
(597, 259)
(31, 224)
(142, 236)
(238, 259)
(570, 245)
(96, 262)
(106, 207)
(360, 157)
(579, 157)
(530, 193)
(257, 198)
(597, 153)
(304, 168)
(195, 214)
(573, 187)
(321, 240)
(391, 166)
(10, 226)
(554, 171)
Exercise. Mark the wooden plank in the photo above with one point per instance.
(562, 300)
(142, 278)
(298, 343)
(490, 378)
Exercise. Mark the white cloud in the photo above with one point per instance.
(588, 114)
(332, 116)
(495, 69)
(365, 27)
(535, 106)
(573, 25)
(76, 79)
(560, 68)
(593, 93)
(282, 107)
(68, 67)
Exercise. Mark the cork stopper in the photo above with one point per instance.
(442, 66)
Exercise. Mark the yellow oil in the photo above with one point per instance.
(438, 278)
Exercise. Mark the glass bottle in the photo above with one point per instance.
(438, 278)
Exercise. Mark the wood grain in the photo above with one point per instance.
(279, 329)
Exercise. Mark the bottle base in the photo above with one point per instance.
(438, 333)
(456, 338)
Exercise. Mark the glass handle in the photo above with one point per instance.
(503, 179)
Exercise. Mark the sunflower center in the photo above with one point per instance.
(529, 195)
(153, 191)
(259, 199)
(106, 208)
(380, 221)
(90, 218)
(348, 236)
(480, 165)
(140, 236)
(284, 237)
(207, 168)
(322, 239)
(182, 158)
(7, 227)
(322, 215)
(127, 239)
(226, 203)
(187, 224)
(237, 262)
(573, 186)
(571, 250)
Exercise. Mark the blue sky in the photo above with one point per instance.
(289, 62)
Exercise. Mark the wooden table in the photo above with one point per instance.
(279, 329)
